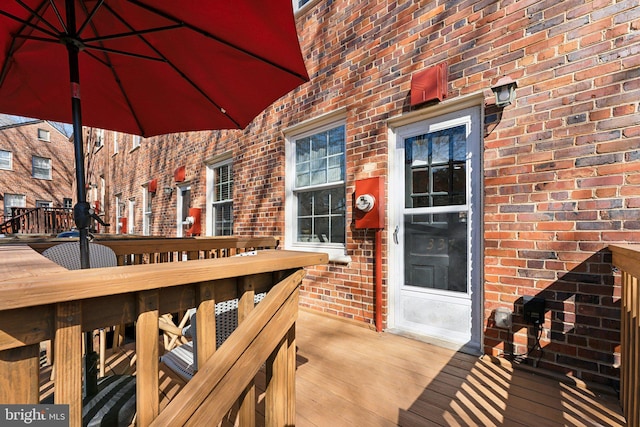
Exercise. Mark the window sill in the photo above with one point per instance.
(336, 255)
(134, 149)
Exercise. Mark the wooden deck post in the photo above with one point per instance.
(246, 303)
(19, 375)
(147, 381)
(68, 353)
(280, 396)
(206, 321)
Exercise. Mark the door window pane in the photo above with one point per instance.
(435, 168)
(436, 251)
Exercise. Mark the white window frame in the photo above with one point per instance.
(131, 216)
(8, 160)
(297, 7)
(336, 251)
(44, 135)
(119, 212)
(212, 203)
(99, 143)
(10, 202)
(116, 137)
(34, 167)
(135, 142)
(146, 210)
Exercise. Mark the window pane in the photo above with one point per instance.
(318, 146)
(5, 159)
(421, 181)
(338, 201)
(436, 252)
(304, 230)
(305, 204)
(441, 179)
(302, 150)
(321, 206)
(303, 179)
(440, 149)
(337, 229)
(435, 168)
(321, 229)
(336, 140)
(321, 215)
(459, 183)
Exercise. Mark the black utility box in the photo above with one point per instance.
(533, 310)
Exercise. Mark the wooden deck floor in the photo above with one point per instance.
(351, 376)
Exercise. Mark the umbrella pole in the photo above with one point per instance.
(81, 213)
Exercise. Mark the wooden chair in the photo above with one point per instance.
(180, 343)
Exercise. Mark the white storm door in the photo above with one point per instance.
(435, 222)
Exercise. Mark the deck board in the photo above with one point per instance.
(348, 375)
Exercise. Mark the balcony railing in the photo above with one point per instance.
(627, 259)
(40, 301)
(151, 250)
(38, 221)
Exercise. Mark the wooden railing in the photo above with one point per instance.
(151, 250)
(37, 307)
(38, 221)
(627, 259)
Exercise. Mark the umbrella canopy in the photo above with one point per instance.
(149, 67)
(145, 67)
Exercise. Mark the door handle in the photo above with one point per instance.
(395, 234)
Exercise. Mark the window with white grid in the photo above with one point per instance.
(41, 167)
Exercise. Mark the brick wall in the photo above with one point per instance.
(561, 165)
(22, 141)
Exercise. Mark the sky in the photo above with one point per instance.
(65, 128)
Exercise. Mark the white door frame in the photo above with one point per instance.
(442, 112)
(180, 226)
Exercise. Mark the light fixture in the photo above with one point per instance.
(168, 190)
(505, 91)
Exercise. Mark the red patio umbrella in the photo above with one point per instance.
(145, 67)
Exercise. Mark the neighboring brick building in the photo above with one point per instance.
(484, 205)
(36, 165)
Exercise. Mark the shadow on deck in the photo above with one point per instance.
(348, 375)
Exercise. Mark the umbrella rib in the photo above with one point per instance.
(177, 70)
(123, 52)
(218, 39)
(29, 24)
(36, 14)
(106, 62)
(12, 47)
(133, 33)
(90, 17)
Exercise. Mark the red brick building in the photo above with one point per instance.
(484, 206)
(36, 165)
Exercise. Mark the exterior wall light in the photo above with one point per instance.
(505, 91)
(168, 190)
